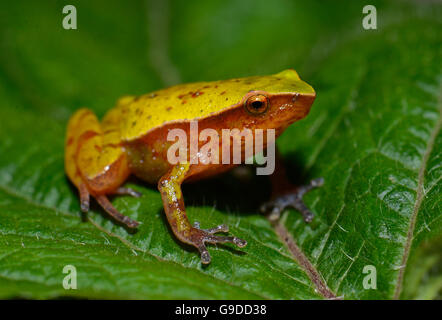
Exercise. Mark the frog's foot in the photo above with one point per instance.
(107, 206)
(200, 236)
(89, 146)
(129, 192)
(292, 199)
(110, 209)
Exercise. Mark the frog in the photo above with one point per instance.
(132, 139)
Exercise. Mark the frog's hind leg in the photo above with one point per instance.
(106, 205)
(95, 161)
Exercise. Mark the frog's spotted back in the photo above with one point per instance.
(198, 100)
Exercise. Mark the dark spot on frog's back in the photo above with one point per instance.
(197, 94)
(134, 123)
(168, 108)
(222, 93)
(108, 131)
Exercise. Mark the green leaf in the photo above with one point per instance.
(373, 134)
(423, 274)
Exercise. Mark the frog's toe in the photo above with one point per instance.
(205, 255)
(220, 228)
(293, 199)
(203, 236)
(110, 209)
(129, 192)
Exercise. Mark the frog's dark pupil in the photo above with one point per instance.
(257, 104)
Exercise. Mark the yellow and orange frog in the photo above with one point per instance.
(132, 139)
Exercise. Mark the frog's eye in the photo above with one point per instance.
(257, 104)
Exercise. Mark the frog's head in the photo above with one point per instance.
(278, 100)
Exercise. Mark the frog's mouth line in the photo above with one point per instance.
(224, 112)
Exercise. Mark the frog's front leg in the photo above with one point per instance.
(286, 195)
(170, 188)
